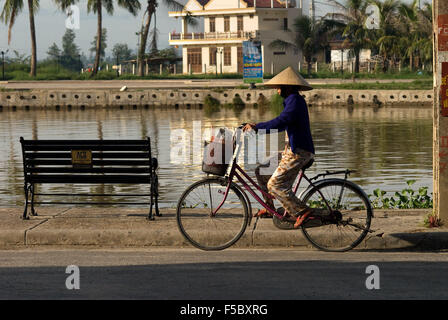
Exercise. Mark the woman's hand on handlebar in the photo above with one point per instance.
(249, 127)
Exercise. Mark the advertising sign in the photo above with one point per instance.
(253, 62)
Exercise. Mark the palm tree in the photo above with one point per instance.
(309, 36)
(11, 10)
(388, 38)
(411, 29)
(96, 6)
(150, 12)
(353, 17)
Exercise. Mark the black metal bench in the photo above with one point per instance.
(89, 162)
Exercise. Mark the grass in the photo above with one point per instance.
(50, 71)
(414, 85)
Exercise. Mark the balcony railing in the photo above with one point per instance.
(214, 35)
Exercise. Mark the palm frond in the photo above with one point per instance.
(132, 6)
(281, 44)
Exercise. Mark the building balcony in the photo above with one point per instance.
(211, 37)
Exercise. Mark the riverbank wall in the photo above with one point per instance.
(193, 98)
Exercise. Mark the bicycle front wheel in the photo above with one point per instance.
(201, 225)
(350, 223)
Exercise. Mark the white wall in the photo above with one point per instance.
(365, 55)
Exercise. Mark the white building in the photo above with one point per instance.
(227, 23)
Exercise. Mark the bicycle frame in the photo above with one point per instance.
(235, 171)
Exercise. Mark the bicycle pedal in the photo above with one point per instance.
(283, 224)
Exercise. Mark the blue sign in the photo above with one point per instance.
(253, 62)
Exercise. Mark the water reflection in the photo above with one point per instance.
(387, 146)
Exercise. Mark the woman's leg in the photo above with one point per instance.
(263, 178)
(280, 184)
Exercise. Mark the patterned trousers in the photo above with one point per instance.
(281, 182)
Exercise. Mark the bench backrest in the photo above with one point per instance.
(88, 161)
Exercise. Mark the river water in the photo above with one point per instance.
(387, 146)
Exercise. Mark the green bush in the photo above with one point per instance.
(238, 103)
(211, 105)
(276, 104)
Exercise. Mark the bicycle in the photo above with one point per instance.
(213, 213)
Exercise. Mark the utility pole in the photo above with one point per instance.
(440, 140)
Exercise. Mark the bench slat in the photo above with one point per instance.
(69, 147)
(85, 142)
(36, 162)
(86, 179)
(95, 155)
(87, 170)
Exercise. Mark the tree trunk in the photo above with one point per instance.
(144, 38)
(309, 66)
(33, 40)
(411, 62)
(357, 58)
(99, 37)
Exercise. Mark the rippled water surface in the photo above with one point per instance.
(387, 147)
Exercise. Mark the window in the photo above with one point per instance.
(279, 53)
(212, 24)
(240, 25)
(285, 24)
(227, 56)
(213, 52)
(270, 19)
(226, 24)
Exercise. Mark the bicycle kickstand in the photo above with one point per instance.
(255, 226)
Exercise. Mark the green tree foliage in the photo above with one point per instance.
(122, 51)
(54, 52)
(93, 49)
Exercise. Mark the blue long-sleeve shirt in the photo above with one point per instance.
(295, 120)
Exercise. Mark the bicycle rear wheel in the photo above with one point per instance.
(202, 228)
(350, 223)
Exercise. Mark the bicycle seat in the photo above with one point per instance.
(308, 165)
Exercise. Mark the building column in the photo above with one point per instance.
(184, 60)
(184, 25)
(440, 141)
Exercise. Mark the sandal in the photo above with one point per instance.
(303, 215)
(262, 213)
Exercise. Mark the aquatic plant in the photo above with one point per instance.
(406, 199)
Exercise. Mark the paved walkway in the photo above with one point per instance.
(121, 228)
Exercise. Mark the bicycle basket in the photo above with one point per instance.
(216, 160)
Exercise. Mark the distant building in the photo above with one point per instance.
(340, 53)
(227, 23)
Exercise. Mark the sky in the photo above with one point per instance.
(121, 27)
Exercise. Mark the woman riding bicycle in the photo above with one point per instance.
(299, 151)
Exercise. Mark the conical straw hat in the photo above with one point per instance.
(289, 77)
